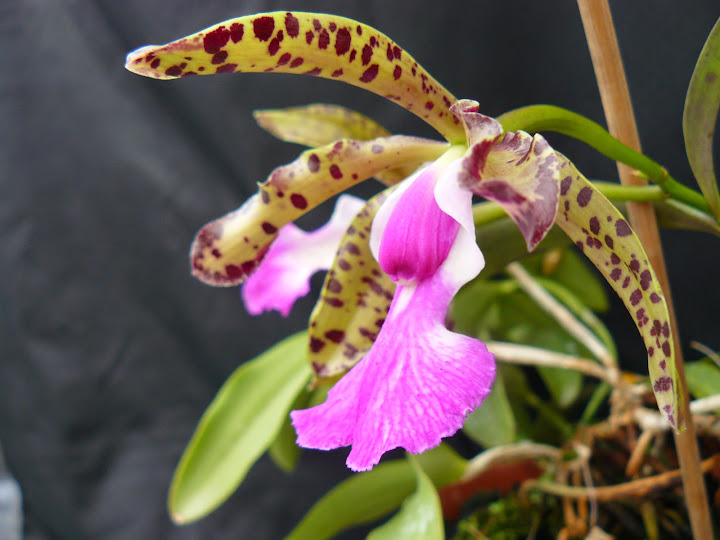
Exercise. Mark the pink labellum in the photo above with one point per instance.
(284, 274)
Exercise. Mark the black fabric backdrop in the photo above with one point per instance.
(109, 350)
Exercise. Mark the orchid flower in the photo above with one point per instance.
(406, 381)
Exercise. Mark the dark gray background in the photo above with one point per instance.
(109, 350)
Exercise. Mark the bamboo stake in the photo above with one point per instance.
(610, 74)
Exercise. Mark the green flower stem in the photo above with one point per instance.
(534, 118)
(487, 212)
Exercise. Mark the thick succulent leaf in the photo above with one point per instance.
(518, 171)
(237, 428)
(227, 250)
(283, 450)
(321, 124)
(368, 496)
(602, 233)
(700, 116)
(420, 517)
(310, 44)
(354, 301)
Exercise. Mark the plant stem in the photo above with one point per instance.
(615, 95)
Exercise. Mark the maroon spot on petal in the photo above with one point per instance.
(666, 348)
(397, 52)
(188, 74)
(309, 36)
(284, 59)
(237, 30)
(584, 196)
(662, 364)
(389, 53)
(233, 271)
(364, 332)
(366, 55)
(314, 163)
(379, 322)
(173, 71)
(645, 279)
(316, 25)
(397, 72)
(323, 39)
(429, 105)
(609, 242)
(337, 73)
(264, 28)
(634, 265)
(614, 257)
(334, 302)
(226, 68)
(370, 74)
(298, 201)
(353, 53)
(635, 297)
(616, 274)
(344, 265)
(580, 245)
(332, 26)
(376, 149)
(651, 351)
(335, 172)
(316, 345)
(352, 248)
(269, 228)
(359, 30)
(594, 225)
(655, 298)
(663, 384)
(219, 57)
(373, 41)
(297, 62)
(274, 46)
(314, 71)
(292, 25)
(336, 336)
(342, 41)
(565, 185)
(622, 228)
(567, 205)
(334, 286)
(216, 40)
(666, 329)
(626, 282)
(155, 63)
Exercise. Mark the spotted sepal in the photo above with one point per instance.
(311, 44)
(320, 124)
(227, 250)
(603, 235)
(353, 304)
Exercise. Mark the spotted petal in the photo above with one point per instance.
(353, 304)
(284, 274)
(305, 43)
(518, 171)
(601, 232)
(320, 124)
(226, 251)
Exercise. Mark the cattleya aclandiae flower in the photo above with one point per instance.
(413, 381)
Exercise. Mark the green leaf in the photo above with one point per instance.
(700, 115)
(284, 452)
(577, 276)
(368, 496)
(237, 428)
(493, 423)
(703, 378)
(420, 517)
